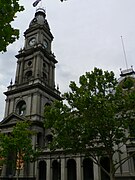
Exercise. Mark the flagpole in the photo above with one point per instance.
(36, 3)
(124, 52)
(41, 3)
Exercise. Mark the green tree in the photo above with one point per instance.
(8, 34)
(93, 119)
(16, 148)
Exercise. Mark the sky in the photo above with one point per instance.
(87, 34)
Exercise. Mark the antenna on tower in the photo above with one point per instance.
(124, 52)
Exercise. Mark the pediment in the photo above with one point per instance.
(11, 120)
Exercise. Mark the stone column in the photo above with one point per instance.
(125, 166)
(17, 73)
(21, 75)
(78, 168)
(31, 169)
(7, 107)
(48, 174)
(96, 171)
(63, 169)
(3, 173)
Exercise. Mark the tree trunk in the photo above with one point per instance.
(18, 166)
(18, 172)
(112, 176)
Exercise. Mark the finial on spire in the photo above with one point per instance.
(11, 82)
(57, 87)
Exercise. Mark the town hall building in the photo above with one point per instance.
(34, 88)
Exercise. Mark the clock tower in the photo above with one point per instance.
(35, 74)
(34, 85)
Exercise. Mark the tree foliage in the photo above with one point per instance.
(8, 34)
(18, 142)
(95, 118)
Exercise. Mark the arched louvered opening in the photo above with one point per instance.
(71, 169)
(88, 169)
(28, 75)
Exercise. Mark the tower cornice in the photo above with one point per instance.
(36, 49)
(33, 85)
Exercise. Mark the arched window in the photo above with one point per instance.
(88, 169)
(56, 170)
(29, 63)
(28, 75)
(45, 77)
(39, 139)
(21, 108)
(44, 65)
(71, 169)
(49, 138)
(42, 170)
(47, 104)
(106, 165)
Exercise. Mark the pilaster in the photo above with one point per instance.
(48, 174)
(78, 168)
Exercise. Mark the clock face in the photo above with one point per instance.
(45, 43)
(32, 41)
